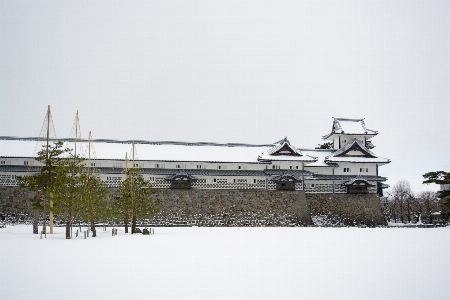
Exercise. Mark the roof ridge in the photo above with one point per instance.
(143, 142)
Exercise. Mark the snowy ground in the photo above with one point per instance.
(228, 263)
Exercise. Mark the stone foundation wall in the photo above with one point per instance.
(236, 208)
(345, 209)
(233, 208)
(14, 201)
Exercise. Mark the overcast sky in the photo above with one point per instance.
(233, 71)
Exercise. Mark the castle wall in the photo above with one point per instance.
(236, 208)
(345, 209)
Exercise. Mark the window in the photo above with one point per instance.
(346, 170)
(92, 164)
(364, 170)
(178, 166)
(157, 166)
(219, 167)
(25, 162)
(136, 165)
(214, 180)
(199, 166)
(344, 141)
(296, 167)
(275, 167)
(3, 162)
(254, 180)
(239, 167)
(290, 167)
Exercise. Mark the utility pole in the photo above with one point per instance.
(133, 217)
(50, 177)
(51, 195)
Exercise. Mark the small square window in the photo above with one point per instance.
(239, 167)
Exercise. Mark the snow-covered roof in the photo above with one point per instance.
(349, 126)
(320, 155)
(284, 151)
(366, 155)
(358, 159)
(355, 144)
(175, 151)
(284, 147)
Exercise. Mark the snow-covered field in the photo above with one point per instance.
(228, 263)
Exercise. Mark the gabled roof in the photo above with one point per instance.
(284, 151)
(349, 126)
(354, 145)
(358, 180)
(284, 147)
(182, 174)
(286, 176)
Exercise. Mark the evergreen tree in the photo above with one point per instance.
(134, 199)
(439, 177)
(95, 201)
(43, 181)
(327, 145)
(67, 190)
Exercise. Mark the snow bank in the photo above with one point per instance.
(227, 263)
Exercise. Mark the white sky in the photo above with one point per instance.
(233, 71)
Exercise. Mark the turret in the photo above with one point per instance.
(345, 131)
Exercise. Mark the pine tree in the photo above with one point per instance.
(43, 181)
(439, 177)
(95, 200)
(326, 145)
(67, 190)
(134, 199)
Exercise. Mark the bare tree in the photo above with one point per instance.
(428, 202)
(403, 197)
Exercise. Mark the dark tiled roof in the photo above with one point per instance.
(295, 172)
(286, 175)
(357, 178)
(346, 177)
(19, 168)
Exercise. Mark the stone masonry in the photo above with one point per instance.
(237, 208)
